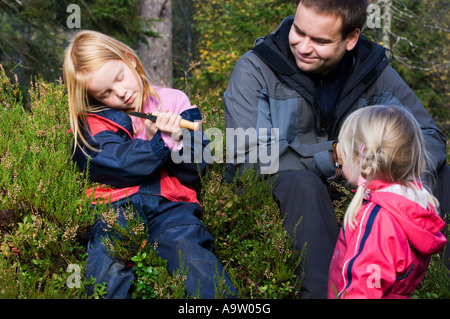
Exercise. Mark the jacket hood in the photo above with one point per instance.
(274, 50)
(421, 223)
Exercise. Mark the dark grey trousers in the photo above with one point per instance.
(309, 218)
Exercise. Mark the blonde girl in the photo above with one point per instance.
(105, 80)
(391, 226)
(86, 54)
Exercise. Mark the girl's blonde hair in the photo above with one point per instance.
(385, 143)
(88, 51)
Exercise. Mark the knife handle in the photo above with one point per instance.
(193, 126)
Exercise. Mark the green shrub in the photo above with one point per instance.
(42, 202)
(251, 241)
(127, 240)
(436, 283)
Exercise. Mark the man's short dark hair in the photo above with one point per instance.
(352, 12)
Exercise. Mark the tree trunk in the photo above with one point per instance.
(387, 20)
(157, 55)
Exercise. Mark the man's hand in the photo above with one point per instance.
(338, 154)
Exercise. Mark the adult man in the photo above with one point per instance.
(301, 81)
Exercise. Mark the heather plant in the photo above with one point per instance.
(126, 239)
(250, 239)
(124, 234)
(42, 206)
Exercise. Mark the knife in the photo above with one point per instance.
(193, 126)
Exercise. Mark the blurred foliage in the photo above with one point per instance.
(419, 36)
(227, 29)
(34, 33)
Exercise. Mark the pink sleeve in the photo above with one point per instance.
(174, 101)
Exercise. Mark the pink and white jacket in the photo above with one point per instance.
(387, 253)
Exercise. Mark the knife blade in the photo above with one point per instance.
(193, 126)
(146, 116)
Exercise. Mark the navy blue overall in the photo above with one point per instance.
(141, 173)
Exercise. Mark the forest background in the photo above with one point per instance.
(191, 45)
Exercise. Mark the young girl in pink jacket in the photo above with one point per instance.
(391, 227)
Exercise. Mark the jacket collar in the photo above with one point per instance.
(276, 45)
(116, 116)
(368, 62)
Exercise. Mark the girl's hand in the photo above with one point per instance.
(169, 123)
(150, 129)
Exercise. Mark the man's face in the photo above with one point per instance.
(316, 40)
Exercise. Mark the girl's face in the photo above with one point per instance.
(115, 85)
(350, 172)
